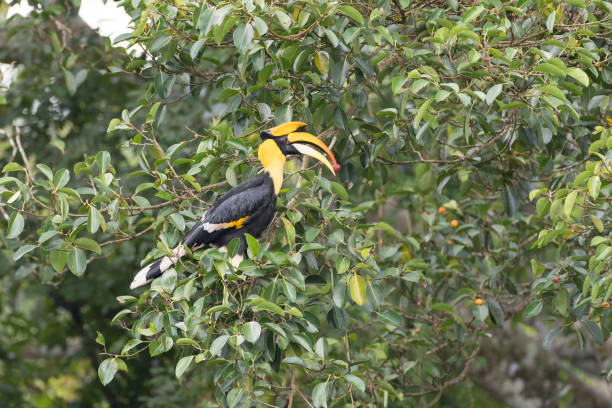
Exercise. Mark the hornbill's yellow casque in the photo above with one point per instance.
(248, 207)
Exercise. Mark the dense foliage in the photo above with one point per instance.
(473, 200)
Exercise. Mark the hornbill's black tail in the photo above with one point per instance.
(156, 268)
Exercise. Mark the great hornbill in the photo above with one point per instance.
(250, 206)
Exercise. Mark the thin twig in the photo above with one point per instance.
(26, 163)
(292, 391)
(303, 397)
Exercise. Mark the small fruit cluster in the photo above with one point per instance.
(454, 223)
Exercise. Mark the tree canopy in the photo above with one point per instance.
(469, 229)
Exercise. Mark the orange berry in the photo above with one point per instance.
(478, 301)
(441, 210)
(605, 305)
(597, 64)
(556, 279)
(454, 223)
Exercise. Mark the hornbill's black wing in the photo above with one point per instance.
(236, 209)
(248, 207)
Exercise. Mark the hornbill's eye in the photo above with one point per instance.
(284, 140)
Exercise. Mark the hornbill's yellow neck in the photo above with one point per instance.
(273, 161)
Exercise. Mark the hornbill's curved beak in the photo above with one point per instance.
(292, 139)
(303, 142)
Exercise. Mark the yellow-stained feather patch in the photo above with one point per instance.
(237, 223)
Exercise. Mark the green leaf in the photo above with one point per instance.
(536, 192)
(103, 160)
(205, 21)
(342, 265)
(579, 75)
(493, 93)
(351, 12)
(283, 18)
(303, 340)
(597, 223)
(185, 341)
(58, 260)
(496, 313)
(422, 109)
(218, 344)
(15, 225)
(252, 244)
(319, 395)
(594, 186)
(161, 345)
(321, 61)
(533, 309)
(443, 307)
(45, 236)
(182, 365)
(12, 166)
(311, 234)
(93, 220)
(260, 26)
(561, 302)
(161, 40)
(391, 317)
(113, 125)
(55, 42)
(77, 262)
(89, 244)
(270, 307)
(339, 190)
(357, 286)
(554, 91)
(243, 37)
(230, 176)
(594, 330)
(550, 21)
(568, 205)
(120, 314)
(322, 348)
(472, 13)
(22, 250)
(604, 254)
(178, 221)
(294, 361)
(252, 331)
(46, 171)
(356, 382)
(130, 345)
(71, 82)
(550, 69)
(290, 230)
(100, 339)
(235, 397)
(550, 336)
(107, 370)
(153, 111)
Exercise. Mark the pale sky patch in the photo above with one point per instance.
(109, 19)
